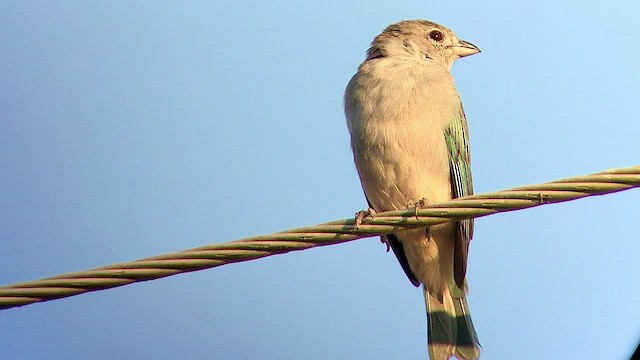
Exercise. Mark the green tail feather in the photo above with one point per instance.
(450, 329)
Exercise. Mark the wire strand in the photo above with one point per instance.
(330, 233)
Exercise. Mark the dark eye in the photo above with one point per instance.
(436, 35)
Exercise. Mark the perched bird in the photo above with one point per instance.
(411, 147)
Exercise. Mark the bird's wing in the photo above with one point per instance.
(398, 250)
(457, 139)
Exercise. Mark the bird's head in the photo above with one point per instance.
(421, 39)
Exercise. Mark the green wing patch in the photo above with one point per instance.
(457, 139)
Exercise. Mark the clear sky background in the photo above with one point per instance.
(130, 129)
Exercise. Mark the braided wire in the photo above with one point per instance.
(334, 232)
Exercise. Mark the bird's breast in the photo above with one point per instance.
(397, 114)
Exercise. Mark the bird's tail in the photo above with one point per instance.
(450, 331)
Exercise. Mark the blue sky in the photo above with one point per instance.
(130, 129)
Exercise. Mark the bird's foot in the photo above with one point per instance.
(417, 205)
(360, 215)
(385, 240)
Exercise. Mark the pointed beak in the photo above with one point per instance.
(464, 48)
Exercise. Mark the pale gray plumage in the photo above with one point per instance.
(410, 142)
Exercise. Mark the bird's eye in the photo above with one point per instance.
(436, 35)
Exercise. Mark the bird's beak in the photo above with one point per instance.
(464, 48)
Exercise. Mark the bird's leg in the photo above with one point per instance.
(420, 204)
(417, 205)
(360, 215)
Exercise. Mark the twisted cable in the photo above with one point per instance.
(334, 232)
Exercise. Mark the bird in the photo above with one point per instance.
(410, 144)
